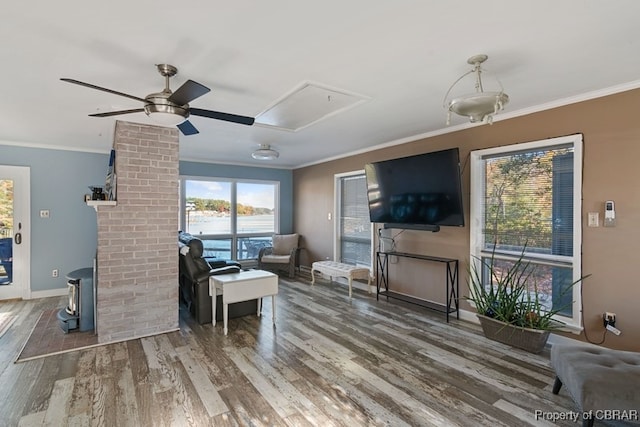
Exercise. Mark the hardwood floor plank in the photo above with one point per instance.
(347, 366)
(279, 402)
(248, 407)
(143, 389)
(171, 381)
(508, 386)
(327, 366)
(186, 396)
(522, 415)
(207, 348)
(103, 407)
(82, 420)
(433, 391)
(125, 395)
(355, 400)
(330, 361)
(288, 360)
(285, 381)
(43, 386)
(58, 408)
(83, 388)
(207, 392)
(17, 386)
(396, 365)
(418, 346)
(158, 365)
(31, 420)
(162, 378)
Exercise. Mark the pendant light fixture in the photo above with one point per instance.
(479, 106)
(265, 152)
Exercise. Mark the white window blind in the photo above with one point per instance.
(526, 198)
(354, 224)
(528, 201)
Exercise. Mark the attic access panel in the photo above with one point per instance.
(307, 104)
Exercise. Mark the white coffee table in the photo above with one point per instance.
(242, 286)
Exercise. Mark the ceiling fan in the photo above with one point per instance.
(170, 108)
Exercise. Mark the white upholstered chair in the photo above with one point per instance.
(281, 255)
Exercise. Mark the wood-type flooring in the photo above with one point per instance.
(330, 361)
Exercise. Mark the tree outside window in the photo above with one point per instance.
(525, 198)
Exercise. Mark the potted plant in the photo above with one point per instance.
(508, 306)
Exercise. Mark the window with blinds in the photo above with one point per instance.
(526, 200)
(354, 226)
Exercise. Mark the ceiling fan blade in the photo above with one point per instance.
(89, 85)
(187, 128)
(189, 91)
(117, 113)
(243, 120)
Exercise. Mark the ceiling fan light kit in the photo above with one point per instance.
(479, 106)
(166, 115)
(265, 152)
(169, 108)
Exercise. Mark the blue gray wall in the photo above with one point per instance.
(59, 180)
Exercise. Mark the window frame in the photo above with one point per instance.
(478, 188)
(234, 236)
(337, 209)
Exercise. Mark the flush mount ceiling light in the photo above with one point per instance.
(265, 152)
(479, 106)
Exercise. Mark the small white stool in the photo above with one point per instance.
(338, 269)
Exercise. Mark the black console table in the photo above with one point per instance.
(452, 285)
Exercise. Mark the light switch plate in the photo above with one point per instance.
(593, 219)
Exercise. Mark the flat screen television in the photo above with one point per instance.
(416, 192)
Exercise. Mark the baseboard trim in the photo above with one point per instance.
(469, 316)
(49, 293)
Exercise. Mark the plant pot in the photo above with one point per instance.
(531, 340)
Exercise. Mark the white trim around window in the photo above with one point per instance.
(478, 246)
(337, 208)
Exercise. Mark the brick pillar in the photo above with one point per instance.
(137, 285)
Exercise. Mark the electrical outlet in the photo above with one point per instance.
(55, 273)
(609, 319)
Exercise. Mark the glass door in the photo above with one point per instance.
(14, 232)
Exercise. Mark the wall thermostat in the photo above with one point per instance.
(609, 213)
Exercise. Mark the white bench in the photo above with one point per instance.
(338, 269)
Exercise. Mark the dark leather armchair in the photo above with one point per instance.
(194, 273)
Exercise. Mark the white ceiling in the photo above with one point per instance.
(401, 55)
